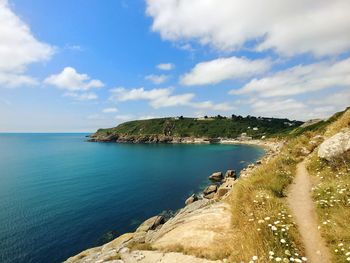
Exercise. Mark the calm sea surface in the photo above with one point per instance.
(60, 195)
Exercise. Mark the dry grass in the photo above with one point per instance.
(332, 195)
(332, 198)
(342, 122)
(140, 246)
(263, 225)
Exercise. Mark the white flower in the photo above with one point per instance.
(255, 258)
(283, 241)
(278, 259)
(304, 259)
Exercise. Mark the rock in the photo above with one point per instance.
(191, 199)
(335, 146)
(304, 151)
(259, 162)
(210, 189)
(150, 224)
(140, 236)
(225, 187)
(230, 174)
(310, 122)
(210, 196)
(217, 176)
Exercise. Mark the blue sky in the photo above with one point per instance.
(84, 64)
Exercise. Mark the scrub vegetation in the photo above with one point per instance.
(210, 127)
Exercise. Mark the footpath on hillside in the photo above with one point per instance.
(303, 210)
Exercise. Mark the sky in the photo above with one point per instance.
(76, 66)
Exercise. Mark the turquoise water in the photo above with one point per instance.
(59, 194)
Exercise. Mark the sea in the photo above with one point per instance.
(60, 194)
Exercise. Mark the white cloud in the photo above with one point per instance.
(18, 49)
(300, 79)
(290, 27)
(109, 110)
(71, 80)
(161, 98)
(208, 105)
(12, 80)
(166, 66)
(217, 70)
(122, 94)
(158, 98)
(156, 79)
(173, 100)
(124, 117)
(81, 96)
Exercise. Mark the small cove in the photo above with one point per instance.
(60, 195)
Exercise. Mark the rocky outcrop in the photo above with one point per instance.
(191, 199)
(202, 224)
(217, 176)
(231, 174)
(125, 138)
(335, 146)
(225, 188)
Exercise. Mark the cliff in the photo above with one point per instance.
(175, 130)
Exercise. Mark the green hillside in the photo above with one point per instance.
(210, 127)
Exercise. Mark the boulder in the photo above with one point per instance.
(230, 174)
(210, 189)
(150, 224)
(210, 196)
(335, 146)
(225, 187)
(217, 176)
(191, 199)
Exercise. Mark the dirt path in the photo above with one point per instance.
(302, 207)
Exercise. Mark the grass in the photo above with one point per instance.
(332, 195)
(263, 226)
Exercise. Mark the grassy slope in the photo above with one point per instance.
(211, 128)
(260, 216)
(332, 195)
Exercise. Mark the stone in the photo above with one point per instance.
(335, 146)
(304, 151)
(210, 196)
(150, 224)
(191, 199)
(210, 189)
(225, 187)
(217, 176)
(230, 174)
(259, 162)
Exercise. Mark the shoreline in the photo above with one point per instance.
(160, 233)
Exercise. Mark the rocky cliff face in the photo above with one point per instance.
(123, 138)
(201, 225)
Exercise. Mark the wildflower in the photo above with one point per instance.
(278, 259)
(283, 241)
(304, 259)
(255, 258)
